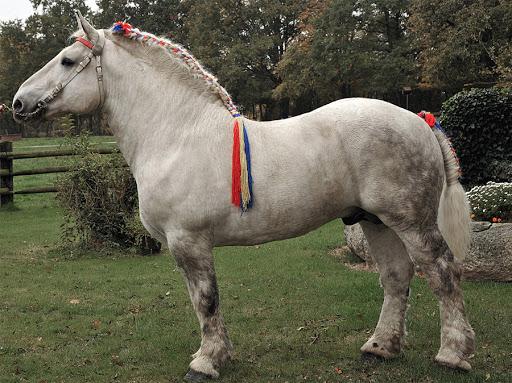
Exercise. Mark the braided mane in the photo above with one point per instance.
(183, 55)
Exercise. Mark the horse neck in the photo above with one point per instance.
(151, 114)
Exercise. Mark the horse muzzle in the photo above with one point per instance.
(24, 109)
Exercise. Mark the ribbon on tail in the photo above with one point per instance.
(430, 119)
(241, 187)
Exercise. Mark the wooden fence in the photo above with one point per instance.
(7, 171)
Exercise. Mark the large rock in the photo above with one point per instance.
(490, 255)
(357, 243)
(489, 258)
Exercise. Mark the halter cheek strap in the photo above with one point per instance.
(58, 88)
(96, 50)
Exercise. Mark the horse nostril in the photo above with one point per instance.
(18, 105)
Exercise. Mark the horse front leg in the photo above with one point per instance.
(195, 259)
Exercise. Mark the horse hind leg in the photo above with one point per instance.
(396, 270)
(430, 252)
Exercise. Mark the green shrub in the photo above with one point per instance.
(491, 202)
(99, 197)
(479, 123)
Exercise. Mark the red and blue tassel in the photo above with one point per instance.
(241, 190)
(122, 27)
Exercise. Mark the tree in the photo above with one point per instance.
(50, 30)
(15, 65)
(15, 49)
(347, 48)
(244, 42)
(462, 44)
(161, 17)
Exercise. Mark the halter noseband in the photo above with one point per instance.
(96, 50)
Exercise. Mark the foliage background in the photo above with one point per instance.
(285, 57)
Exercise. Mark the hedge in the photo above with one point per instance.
(479, 123)
(99, 199)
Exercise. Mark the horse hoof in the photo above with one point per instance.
(196, 376)
(368, 357)
(381, 348)
(453, 362)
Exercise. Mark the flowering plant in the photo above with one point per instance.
(491, 202)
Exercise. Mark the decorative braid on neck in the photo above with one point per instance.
(181, 54)
(241, 183)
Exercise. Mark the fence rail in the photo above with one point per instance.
(44, 189)
(51, 153)
(7, 172)
(31, 172)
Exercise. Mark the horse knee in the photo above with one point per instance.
(396, 281)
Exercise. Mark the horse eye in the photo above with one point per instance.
(67, 62)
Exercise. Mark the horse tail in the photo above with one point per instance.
(453, 216)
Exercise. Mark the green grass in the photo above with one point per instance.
(133, 321)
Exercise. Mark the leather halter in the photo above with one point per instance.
(96, 50)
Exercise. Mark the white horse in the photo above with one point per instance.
(357, 159)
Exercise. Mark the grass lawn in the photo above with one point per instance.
(295, 314)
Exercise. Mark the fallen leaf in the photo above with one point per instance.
(115, 360)
(74, 301)
(96, 324)
(135, 309)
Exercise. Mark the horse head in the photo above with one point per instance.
(72, 82)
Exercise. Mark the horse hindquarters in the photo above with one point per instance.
(426, 207)
(432, 237)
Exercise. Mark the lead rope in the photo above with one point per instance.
(4, 108)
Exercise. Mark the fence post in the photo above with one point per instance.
(6, 177)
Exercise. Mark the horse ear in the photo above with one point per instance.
(92, 34)
(88, 29)
(79, 22)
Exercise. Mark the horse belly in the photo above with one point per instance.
(304, 188)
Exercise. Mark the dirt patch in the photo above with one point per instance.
(345, 256)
